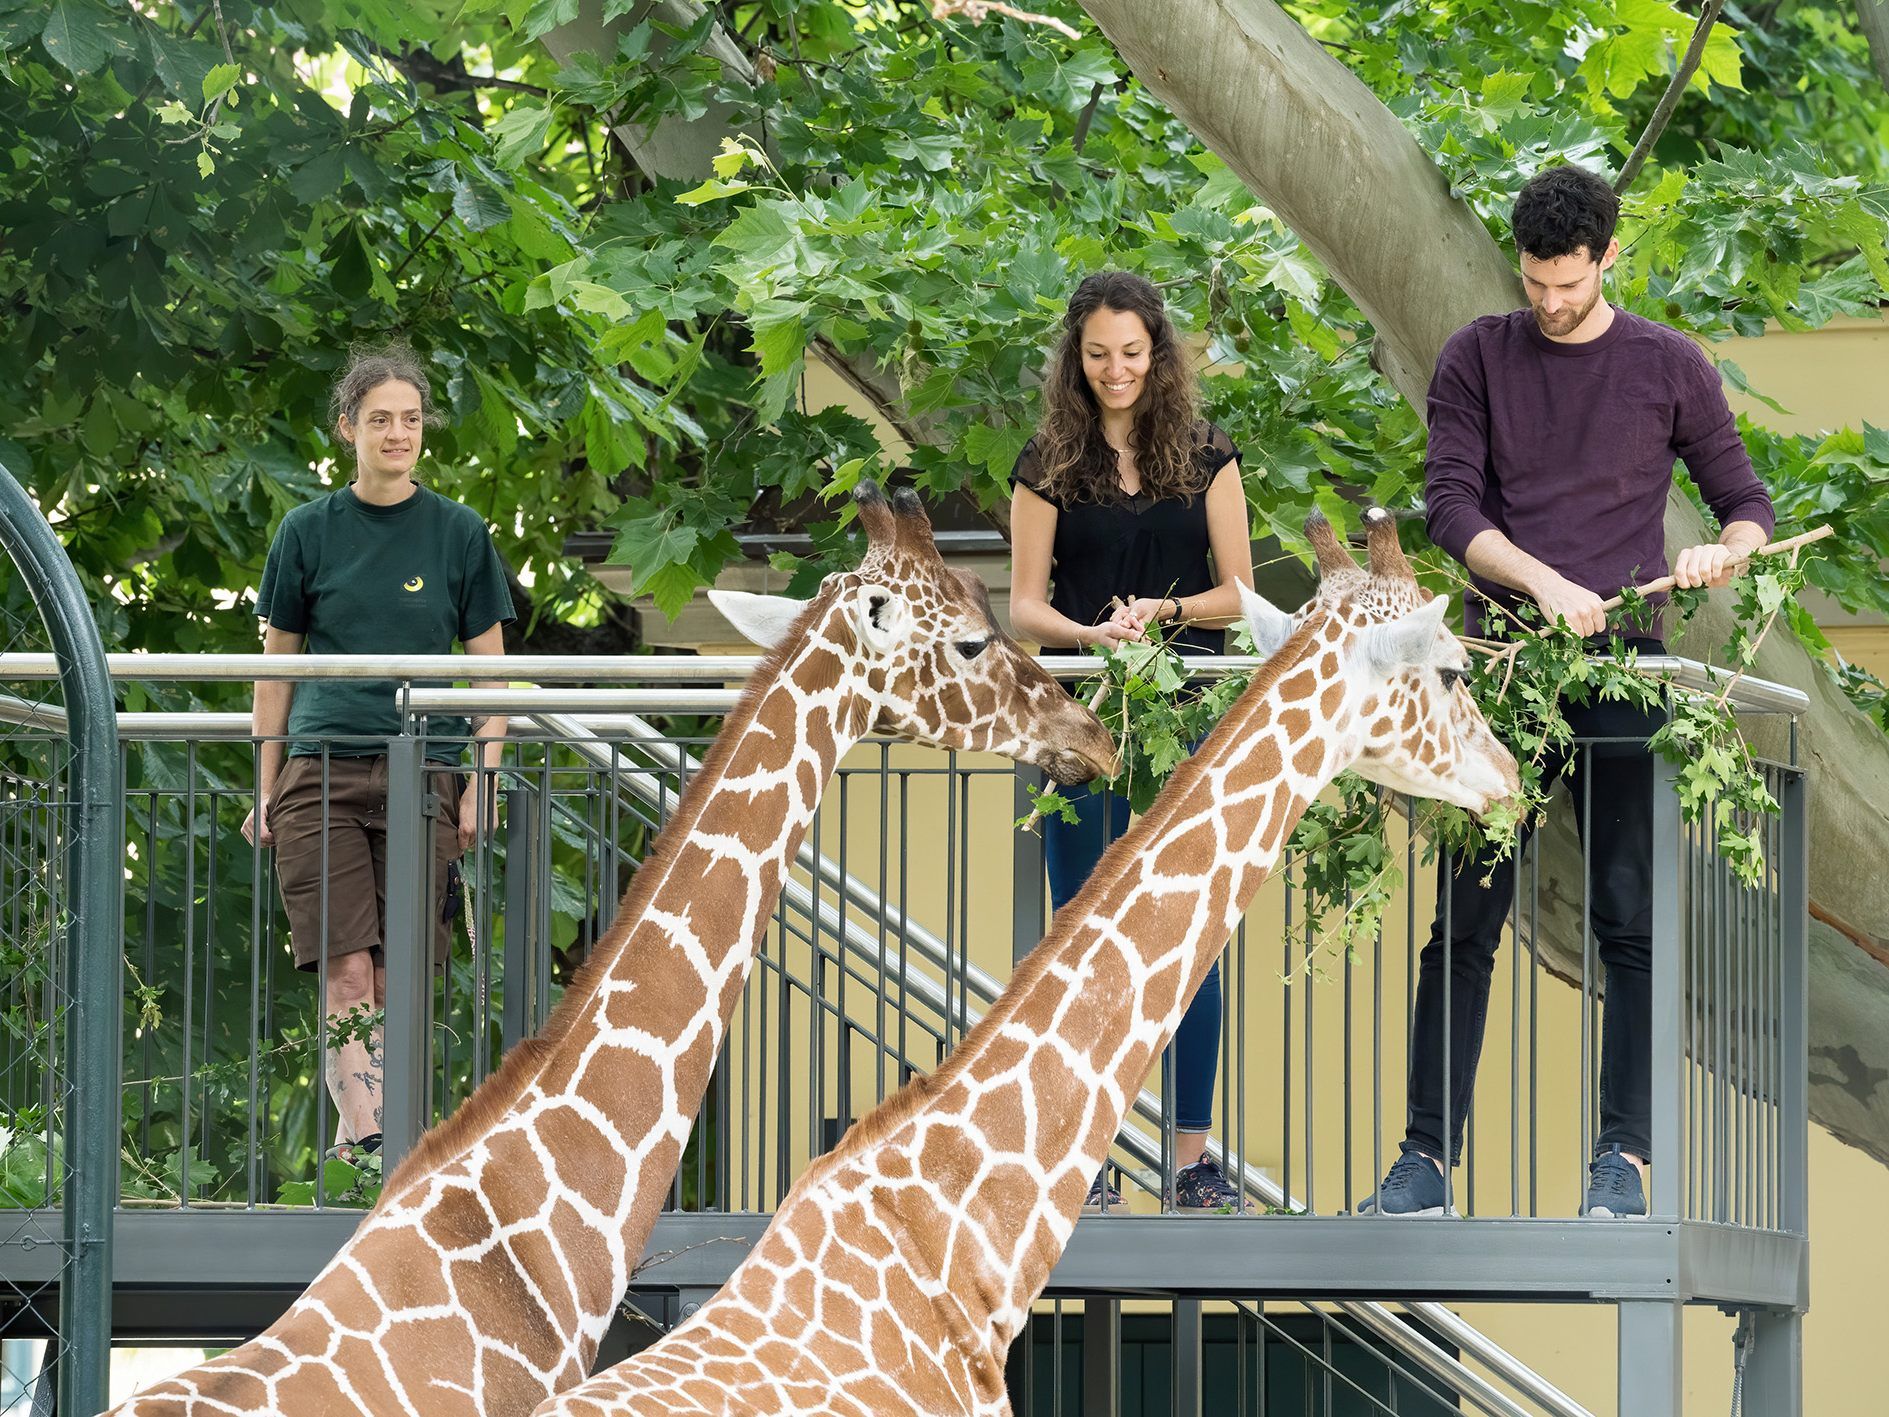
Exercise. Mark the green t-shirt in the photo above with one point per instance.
(353, 578)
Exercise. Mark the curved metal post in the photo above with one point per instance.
(92, 963)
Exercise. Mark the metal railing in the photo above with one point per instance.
(889, 942)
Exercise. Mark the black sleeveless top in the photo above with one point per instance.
(1135, 546)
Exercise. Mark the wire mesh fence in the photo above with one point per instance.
(36, 1158)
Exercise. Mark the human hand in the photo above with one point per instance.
(1561, 599)
(1112, 633)
(471, 819)
(1707, 565)
(256, 824)
(1149, 610)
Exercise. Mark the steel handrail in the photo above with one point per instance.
(1748, 694)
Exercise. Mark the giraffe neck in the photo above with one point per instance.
(984, 1164)
(590, 1140)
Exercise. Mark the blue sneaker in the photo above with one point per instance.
(1614, 1191)
(1412, 1189)
(1203, 1189)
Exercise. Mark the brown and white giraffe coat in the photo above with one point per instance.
(899, 1270)
(487, 1275)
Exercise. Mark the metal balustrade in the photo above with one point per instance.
(913, 894)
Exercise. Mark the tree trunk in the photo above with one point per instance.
(1316, 145)
(1873, 18)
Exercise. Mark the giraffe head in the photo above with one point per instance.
(923, 654)
(1388, 658)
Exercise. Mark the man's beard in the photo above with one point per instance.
(1567, 322)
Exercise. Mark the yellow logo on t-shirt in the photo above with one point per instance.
(417, 583)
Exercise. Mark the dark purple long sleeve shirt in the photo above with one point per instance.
(1568, 449)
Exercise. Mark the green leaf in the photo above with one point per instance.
(480, 207)
(731, 159)
(995, 448)
(220, 80)
(206, 165)
(780, 338)
(77, 33)
(521, 133)
(545, 16)
(712, 190)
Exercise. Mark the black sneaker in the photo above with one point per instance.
(1092, 1204)
(1412, 1189)
(1203, 1189)
(1614, 1191)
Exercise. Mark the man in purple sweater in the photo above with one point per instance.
(1553, 432)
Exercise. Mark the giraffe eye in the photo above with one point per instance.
(1452, 676)
(971, 649)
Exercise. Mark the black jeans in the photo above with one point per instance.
(1614, 812)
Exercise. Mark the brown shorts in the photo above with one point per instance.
(351, 913)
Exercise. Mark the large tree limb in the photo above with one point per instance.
(1309, 139)
(1873, 17)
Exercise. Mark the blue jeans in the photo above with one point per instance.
(1192, 1060)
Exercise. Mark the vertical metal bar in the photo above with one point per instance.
(258, 890)
(1794, 1008)
(1027, 888)
(1534, 1029)
(1651, 1371)
(1668, 1001)
(1187, 1354)
(1695, 1079)
(1774, 1371)
(1515, 1041)
(514, 988)
(1590, 984)
(322, 1129)
(1285, 1042)
(185, 1080)
(1448, 1141)
(1308, 1005)
(147, 1043)
(408, 950)
(1101, 1349)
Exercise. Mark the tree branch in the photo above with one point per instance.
(453, 77)
(1668, 101)
(1088, 117)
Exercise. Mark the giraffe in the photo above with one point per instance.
(903, 1264)
(485, 1277)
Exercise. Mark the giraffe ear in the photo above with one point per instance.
(881, 616)
(1409, 639)
(764, 619)
(1270, 625)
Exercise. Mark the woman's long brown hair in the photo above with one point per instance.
(1078, 464)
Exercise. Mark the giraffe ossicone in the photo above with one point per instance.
(489, 1271)
(902, 1265)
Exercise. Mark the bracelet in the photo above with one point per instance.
(1170, 619)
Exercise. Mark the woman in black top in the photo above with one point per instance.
(1130, 506)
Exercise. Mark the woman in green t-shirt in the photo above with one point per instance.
(383, 565)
